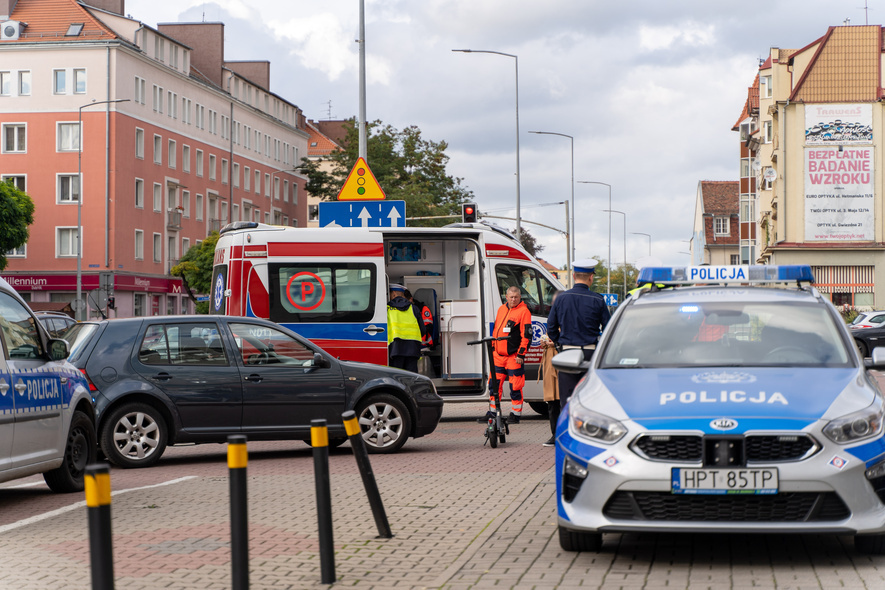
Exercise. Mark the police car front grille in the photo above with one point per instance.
(687, 448)
(788, 507)
(771, 448)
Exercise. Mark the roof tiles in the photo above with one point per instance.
(49, 20)
(845, 67)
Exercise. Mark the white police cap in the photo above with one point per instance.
(585, 265)
(397, 287)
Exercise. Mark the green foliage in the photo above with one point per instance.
(16, 214)
(528, 241)
(408, 167)
(600, 282)
(195, 270)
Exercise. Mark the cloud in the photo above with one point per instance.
(691, 34)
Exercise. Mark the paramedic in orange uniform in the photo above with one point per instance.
(514, 320)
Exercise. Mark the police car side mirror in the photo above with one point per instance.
(877, 359)
(58, 349)
(571, 361)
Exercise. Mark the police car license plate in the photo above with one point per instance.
(724, 481)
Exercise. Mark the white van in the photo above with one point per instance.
(331, 286)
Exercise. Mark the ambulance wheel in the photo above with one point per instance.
(540, 408)
(385, 423)
(870, 544)
(571, 540)
(80, 450)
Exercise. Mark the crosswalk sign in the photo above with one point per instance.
(361, 185)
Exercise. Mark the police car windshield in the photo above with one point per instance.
(720, 334)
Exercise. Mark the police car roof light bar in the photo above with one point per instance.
(699, 275)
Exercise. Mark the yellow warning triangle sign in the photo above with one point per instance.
(361, 185)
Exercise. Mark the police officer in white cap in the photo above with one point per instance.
(577, 318)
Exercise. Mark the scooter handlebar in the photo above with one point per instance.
(487, 339)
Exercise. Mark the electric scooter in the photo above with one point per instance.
(497, 428)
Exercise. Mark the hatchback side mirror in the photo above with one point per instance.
(320, 361)
(58, 349)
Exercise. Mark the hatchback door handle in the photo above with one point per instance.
(162, 377)
(254, 378)
(373, 330)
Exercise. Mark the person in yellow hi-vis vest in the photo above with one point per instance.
(404, 331)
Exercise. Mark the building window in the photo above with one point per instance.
(158, 149)
(66, 241)
(257, 182)
(313, 213)
(212, 160)
(139, 90)
(139, 302)
(68, 137)
(735, 259)
(186, 203)
(139, 244)
(721, 226)
(185, 246)
(79, 81)
(14, 138)
(198, 204)
(294, 194)
(139, 193)
(765, 90)
(199, 162)
(246, 178)
(186, 158)
(24, 83)
(267, 186)
(186, 110)
(157, 99)
(68, 188)
(223, 171)
(276, 188)
(766, 132)
(58, 81)
(5, 83)
(139, 143)
(158, 197)
(171, 155)
(172, 104)
(158, 248)
(20, 252)
(236, 172)
(16, 180)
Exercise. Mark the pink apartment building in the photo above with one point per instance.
(178, 143)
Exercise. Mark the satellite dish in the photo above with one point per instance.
(770, 174)
(757, 164)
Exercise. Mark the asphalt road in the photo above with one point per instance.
(463, 516)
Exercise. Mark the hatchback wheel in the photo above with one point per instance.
(134, 435)
(80, 451)
(862, 348)
(385, 423)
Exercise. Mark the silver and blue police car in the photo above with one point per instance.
(726, 406)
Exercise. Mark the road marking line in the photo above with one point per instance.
(31, 520)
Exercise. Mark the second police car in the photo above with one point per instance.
(725, 407)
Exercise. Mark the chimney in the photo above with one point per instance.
(6, 8)
(207, 42)
(114, 6)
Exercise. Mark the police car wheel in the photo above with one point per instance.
(80, 451)
(385, 423)
(540, 408)
(870, 544)
(134, 435)
(571, 540)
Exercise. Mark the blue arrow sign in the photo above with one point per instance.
(611, 299)
(362, 214)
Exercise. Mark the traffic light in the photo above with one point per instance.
(469, 212)
(111, 302)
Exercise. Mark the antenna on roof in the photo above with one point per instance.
(846, 22)
(761, 61)
(329, 113)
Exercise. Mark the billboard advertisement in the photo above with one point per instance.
(828, 124)
(839, 202)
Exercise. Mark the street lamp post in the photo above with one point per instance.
(516, 65)
(80, 200)
(625, 247)
(572, 139)
(639, 233)
(609, 273)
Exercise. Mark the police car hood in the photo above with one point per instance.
(757, 398)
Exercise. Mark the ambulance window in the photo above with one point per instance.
(19, 330)
(343, 292)
(536, 291)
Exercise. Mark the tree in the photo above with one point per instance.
(16, 214)
(408, 167)
(195, 270)
(528, 241)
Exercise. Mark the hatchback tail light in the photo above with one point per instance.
(92, 386)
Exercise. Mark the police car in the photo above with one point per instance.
(47, 422)
(724, 406)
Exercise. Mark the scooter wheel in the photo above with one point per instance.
(493, 436)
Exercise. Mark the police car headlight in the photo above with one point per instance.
(594, 425)
(857, 426)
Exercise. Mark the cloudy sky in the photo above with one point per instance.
(649, 89)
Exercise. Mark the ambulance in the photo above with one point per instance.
(331, 285)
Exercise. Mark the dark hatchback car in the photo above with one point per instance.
(867, 339)
(197, 379)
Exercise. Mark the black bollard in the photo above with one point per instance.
(97, 482)
(237, 458)
(319, 440)
(352, 427)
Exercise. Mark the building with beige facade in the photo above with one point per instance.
(151, 134)
(814, 149)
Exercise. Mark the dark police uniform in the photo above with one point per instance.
(576, 320)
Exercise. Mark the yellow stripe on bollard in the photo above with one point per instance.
(319, 436)
(237, 456)
(351, 426)
(98, 489)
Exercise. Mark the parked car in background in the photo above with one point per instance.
(868, 319)
(867, 339)
(166, 380)
(46, 414)
(55, 322)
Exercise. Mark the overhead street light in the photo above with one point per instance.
(608, 287)
(80, 304)
(572, 230)
(516, 65)
(625, 247)
(639, 233)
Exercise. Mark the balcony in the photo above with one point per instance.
(174, 219)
